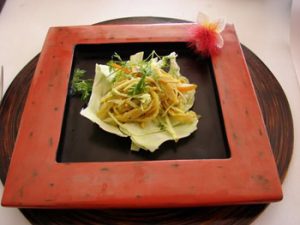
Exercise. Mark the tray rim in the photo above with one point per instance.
(21, 191)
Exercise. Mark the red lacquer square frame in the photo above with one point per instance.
(35, 179)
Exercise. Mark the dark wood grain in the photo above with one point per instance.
(278, 120)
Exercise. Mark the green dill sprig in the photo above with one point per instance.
(80, 86)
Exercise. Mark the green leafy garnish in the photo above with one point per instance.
(139, 87)
(80, 86)
(117, 56)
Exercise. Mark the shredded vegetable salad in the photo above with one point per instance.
(145, 99)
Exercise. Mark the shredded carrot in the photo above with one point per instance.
(186, 87)
(119, 67)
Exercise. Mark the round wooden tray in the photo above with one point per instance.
(278, 120)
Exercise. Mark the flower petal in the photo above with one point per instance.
(220, 25)
(219, 41)
(202, 18)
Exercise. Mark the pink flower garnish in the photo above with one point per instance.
(206, 36)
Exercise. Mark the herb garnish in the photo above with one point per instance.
(80, 86)
(139, 87)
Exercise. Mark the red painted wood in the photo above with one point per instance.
(35, 179)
